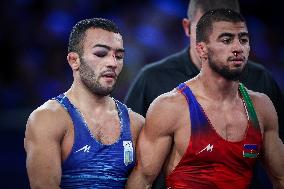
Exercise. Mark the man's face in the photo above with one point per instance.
(101, 61)
(228, 49)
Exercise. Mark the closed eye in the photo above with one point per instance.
(100, 54)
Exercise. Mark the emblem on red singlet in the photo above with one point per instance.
(250, 150)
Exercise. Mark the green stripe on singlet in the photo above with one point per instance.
(249, 105)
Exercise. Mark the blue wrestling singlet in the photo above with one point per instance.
(92, 164)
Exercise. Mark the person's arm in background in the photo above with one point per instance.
(273, 147)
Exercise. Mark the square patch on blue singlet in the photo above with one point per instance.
(128, 152)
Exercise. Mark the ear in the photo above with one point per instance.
(73, 60)
(202, 51)
(186, 26)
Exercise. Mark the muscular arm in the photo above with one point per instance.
(154, 144)
(273, 148)
(42, 144)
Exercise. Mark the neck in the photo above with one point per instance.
(86, 100)
(216, 87)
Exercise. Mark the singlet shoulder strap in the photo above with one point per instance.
(249, 105)
(64, 101)
(185, 90)
(74, 113)
(197, 116)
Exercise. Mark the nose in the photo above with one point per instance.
(237, 48)
(112, 61)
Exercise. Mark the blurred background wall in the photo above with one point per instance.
(34, 37)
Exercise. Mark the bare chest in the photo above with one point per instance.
(229, 122)
(105, 129)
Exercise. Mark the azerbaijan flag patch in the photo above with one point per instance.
(250, 150)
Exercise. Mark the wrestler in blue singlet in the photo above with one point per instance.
(92, 164)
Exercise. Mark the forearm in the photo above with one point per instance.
(138, 180)
(275, 163)
(278, 185)
(278, 180)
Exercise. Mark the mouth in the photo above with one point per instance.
(109, 75)
(237, 61)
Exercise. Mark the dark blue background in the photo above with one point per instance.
(33, 41)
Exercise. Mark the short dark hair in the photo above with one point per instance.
(206, 5)
(205, 24)
(78, 32)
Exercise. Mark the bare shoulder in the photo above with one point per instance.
(264, 108)
(165, 111)
(50, 112)
(261, 100)
(167, 103)
(136, 120)
(48, 119)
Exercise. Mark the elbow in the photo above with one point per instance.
(281, 183)
(149, 173)
(37, 184)
(278, 182)
(140, 178)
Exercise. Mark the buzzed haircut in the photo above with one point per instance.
(206, 5)
(78, 32)
(204, 26)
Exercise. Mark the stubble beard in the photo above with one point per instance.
(224, 71)
(91, 80)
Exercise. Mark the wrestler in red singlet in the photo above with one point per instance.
(210, 161)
